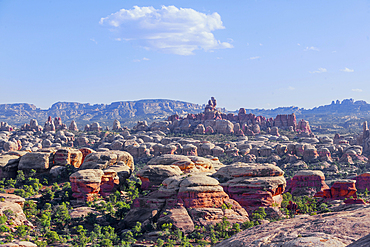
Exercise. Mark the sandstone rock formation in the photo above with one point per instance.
(328, 229)
(86, 184)
(168, 165)
(307, 182)
(185, 200)
(14, 204)
(69, 156)
(38, 161)
(73, 126)
(341, 189)
(363, 182)
(253, 185)
(103, 160)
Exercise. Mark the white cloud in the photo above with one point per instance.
(93, 40)
(312, 48)
(299, 44)
(261, 44)
(319, 70)
(139, 60)
(357, 90)
(291, 88)
(169, 29)
(347, 70)
(251, 58)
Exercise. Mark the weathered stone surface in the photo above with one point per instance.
(334, 228)
(68, 156)
(17, 243)
(362, 242)
(13, 198)
(81, 212)
(86, 183)
(116, 125)
(184, 200)
(362, 182)
(253, 185)
(8, 165)
(167, 159)
(109, 182)
(123, 171)
(152, 176)
(38, 161)
(307, 182)
(255, 192)
(17, 217)
(103, 160)
(240, 169)
(341, 189)
(178, 216)
(310, 154)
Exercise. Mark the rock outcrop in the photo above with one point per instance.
(103, 160)
(340, 190)
(363, 182)
(86, 184)
(39, 161)
(168, 165)
(185, 200)
(68, 156)
(328, 229)
(13, 204)
(253, 185)
(307, 182)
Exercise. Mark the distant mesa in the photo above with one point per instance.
(129, 112)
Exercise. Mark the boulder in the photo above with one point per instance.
(116, 125)
(103, 160)
(86, 184)
(152, 176)
(12, 198)
(109, 182)
(16, 217)
(240, 169)
(73, 126)
(185, 200)
(310, 154)
(340, 190)
(82, 212)
(307, 182)
(178, 216)
(363, 182)
(67, 156)
(167, 159)
(38, 161)
(253, 185)
(8, 165)
(224, 127)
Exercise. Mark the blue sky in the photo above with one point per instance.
(252, 54)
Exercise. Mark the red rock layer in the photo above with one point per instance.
(339, 190)
(193, 199)
(363, 182)
(306, 184)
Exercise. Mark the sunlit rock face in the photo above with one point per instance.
(185, 200)
(253, 185)
(307, 182)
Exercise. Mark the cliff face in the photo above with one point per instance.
(128, 112)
